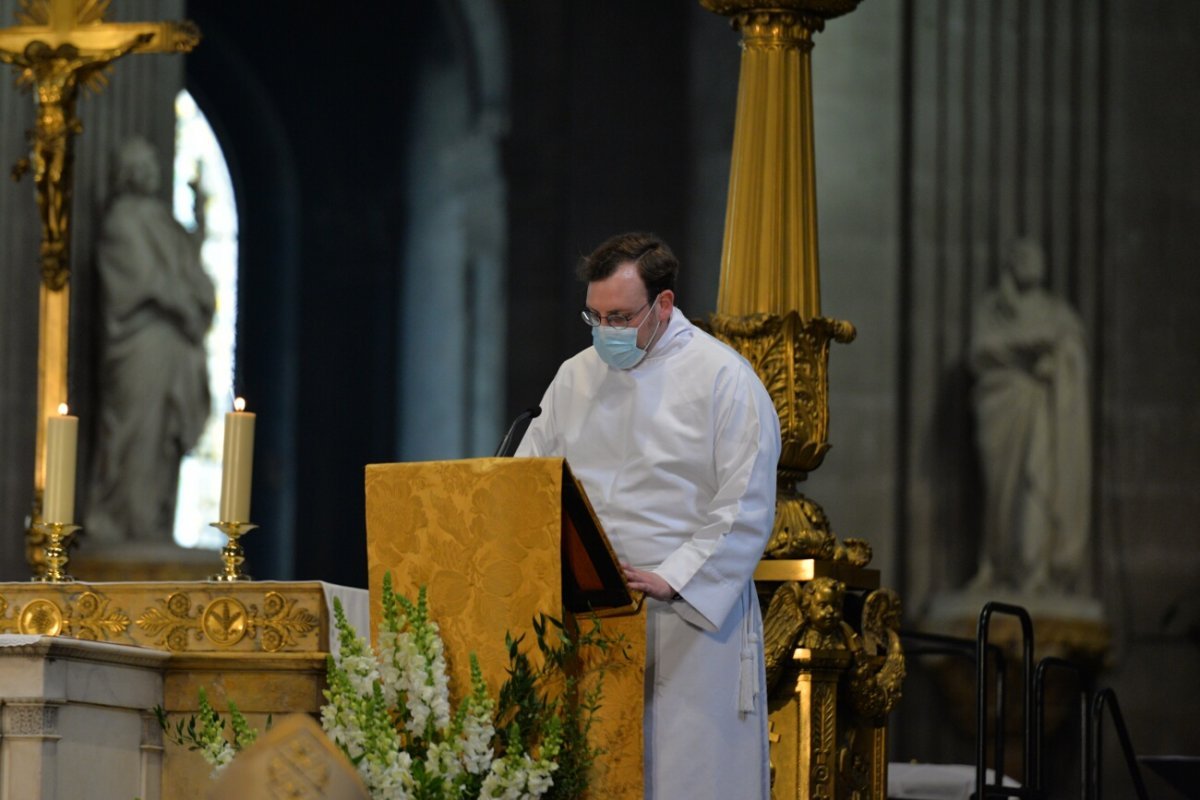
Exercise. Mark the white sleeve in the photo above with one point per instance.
(711, 569)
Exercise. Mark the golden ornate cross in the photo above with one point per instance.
(59, 46)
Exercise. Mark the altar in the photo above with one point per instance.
(83, 665)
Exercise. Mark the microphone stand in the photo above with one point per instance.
(516, 432)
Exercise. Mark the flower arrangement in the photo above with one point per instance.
(389, 711)
(205, 732)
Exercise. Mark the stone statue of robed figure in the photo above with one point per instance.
(1030, 397)
(157, 305)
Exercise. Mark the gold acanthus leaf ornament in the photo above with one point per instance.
(791, 357)
(281, 623)
(801, 529)
(90, 618)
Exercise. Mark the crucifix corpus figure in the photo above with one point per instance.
(61, 45)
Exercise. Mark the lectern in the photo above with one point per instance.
(496, 541)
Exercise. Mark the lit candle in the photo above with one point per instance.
(62, 438)
(239, 464)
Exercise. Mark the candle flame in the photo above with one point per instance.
(62, 409)
(239, 404)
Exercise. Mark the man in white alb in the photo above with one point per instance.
(675, 440)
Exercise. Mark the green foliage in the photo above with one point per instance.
(559, 701)
(205, 731)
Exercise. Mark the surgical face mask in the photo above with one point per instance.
(617, 347)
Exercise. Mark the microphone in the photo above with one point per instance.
(516, 431)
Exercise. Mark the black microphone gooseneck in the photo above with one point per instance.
(516, 432)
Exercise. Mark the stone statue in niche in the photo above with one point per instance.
(156, 306)
(1030, 397)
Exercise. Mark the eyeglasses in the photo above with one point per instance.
(618, 321)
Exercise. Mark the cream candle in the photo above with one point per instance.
(238, 464)
(62, 439)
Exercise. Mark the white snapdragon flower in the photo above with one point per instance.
(219, 754)
(476, 747)
(442, 761)
(363, 673)
(390, 779)
(517, 778)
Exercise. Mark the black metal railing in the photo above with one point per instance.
(987, 655)
(1083, 683)
(997, 789)
(1107, 698)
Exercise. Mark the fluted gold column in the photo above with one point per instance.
(769, 261)
(769, 298)
(834, 678)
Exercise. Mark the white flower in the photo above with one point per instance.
(390, 706)
(517, 778)
(389, 780)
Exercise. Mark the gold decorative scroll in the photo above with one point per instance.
(181, 617)
(224, 621)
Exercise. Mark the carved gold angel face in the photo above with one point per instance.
(823, 603)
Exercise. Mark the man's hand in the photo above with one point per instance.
(649, 582)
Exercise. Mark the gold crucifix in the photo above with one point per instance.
(59, 46)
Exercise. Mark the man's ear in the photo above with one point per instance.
(666, 301)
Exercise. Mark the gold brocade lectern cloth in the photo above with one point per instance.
(485, 537)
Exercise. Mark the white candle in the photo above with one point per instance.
(239, 464)
(62, 438)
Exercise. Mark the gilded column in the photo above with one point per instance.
(769, 261)
(834, 669)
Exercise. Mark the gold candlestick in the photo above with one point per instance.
(55, 536)
(232, 554)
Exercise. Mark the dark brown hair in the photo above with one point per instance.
(656, 264)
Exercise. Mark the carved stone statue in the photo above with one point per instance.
(156, 307)
(1028, 357)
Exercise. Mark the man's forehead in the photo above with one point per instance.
(623, 288)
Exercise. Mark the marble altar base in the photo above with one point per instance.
(76, 714)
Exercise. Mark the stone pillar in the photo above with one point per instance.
(30, 738)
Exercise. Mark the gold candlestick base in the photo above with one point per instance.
(55, 536)
(232, 554)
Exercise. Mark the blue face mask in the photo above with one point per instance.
(617, 347)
